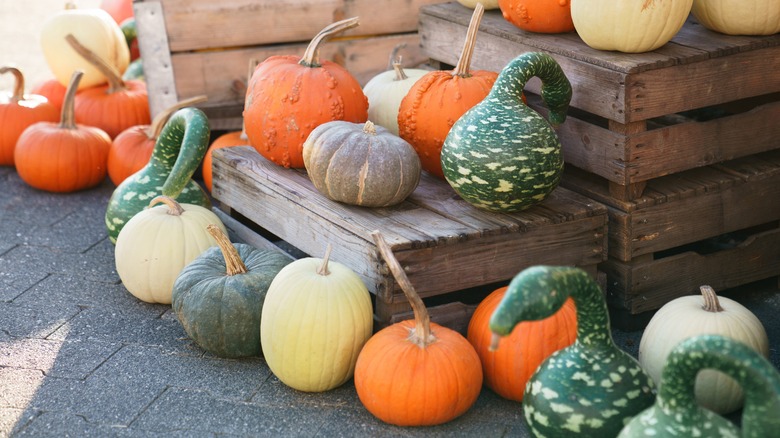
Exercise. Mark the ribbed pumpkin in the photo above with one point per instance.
(287, 97)
(508, 368)
(738, 17)
(17, 112)
(541, 16)
(416, 373)
(235, 138)
(437, 100)
(52, 90)
(361, 164)
(62, 157)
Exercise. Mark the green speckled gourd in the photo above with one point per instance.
(180, 148)
(676, 413)
(589, 389)
(501, 155)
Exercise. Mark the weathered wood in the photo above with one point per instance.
(153, 44)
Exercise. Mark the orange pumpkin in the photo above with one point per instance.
(437, 100)
(17, 112)
(507, 369)
(63, 157)
(52, 90)
(287, 97)
(119, 10)
(235, 138)
(416, 373)
(541, 16)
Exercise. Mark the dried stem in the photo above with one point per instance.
(174, 208)
(323, 270)
(400, 75)
(67, 114)
(233, 263)
(311, 58)
(18, 93)
(464, 63)
(711, 303)
(115, 82)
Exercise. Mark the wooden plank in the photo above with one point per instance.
(153, 44)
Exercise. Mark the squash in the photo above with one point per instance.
(17, 112)
(738, 17)
(675, 412)
(218, 297)
(689, 316)
(176, 156)
(507, 369)
(488, 4)
(287, 97)
(439, 98)
(361, 164)
(502, 155)
(629, 26)
(62, 157)
(541, 16)
(316, 317)
(415, 372)
(157, 243)
(591, 388)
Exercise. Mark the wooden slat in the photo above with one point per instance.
(153, 44)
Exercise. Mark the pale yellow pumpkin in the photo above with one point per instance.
(739, 17)
(630, 26)
(471, 4)
(385, 92)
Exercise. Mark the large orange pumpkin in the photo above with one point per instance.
(541, 16)
(437, 100)
(507, 369)
(287, 97)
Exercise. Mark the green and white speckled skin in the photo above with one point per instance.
(676, 413)
(589, 389)
(501, 155)
(180, 148)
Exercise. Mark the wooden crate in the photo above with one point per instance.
(203, 47)
(445, 244)
(625, 123)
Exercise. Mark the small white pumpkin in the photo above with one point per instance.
(471, 4)
(385, 92)
(685, 317)
(739, 17)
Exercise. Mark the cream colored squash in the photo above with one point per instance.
(316, 317)
(689, 316)
(739, 17)
(471, 4)
(157, 243)
(385, 92)
(630, 26)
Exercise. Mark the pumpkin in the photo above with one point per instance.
(439, 98)
(287, 97)
(64, 156)
(115, 106)
(229, 139)
(541, 16)
(157, 243)
(218, 297)
(507, 369)
(361, 164)
(316, 317)
(52, 90)
(592, 387)
(17, 112)
(94, 28)
(175, 158)
(502, 155)
(487, 4)
(120, 10)
(689, 316)
(131, 149)
(738, 17)
(628, 26)
(675, 412)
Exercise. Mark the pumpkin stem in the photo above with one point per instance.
(115, 82)
(421, 335)
(67, 114)
(311, 57)
(233, 263)
(70, 5)
(400, 75)
(18, 83)
(174, 208)
(711, 303)
(323, 269)
(394, 55)
(154, 130)
(369, 128)
(462, 68)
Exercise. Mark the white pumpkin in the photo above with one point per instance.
(739, 17)
(316, 317)
(385, 92)
(686, 317)
(630, 26)
(157, 243)
(471, 4)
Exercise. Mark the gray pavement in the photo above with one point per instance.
(81, 357)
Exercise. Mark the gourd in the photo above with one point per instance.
(590, 388)
(218, 297)
(175, 158)
(316, 317)
(675, 412)
(689, 316)
(507, 369)
(471, 4)
(235, 138)
(157, 243)
(416, 372)
(628, 26)
(439, 98)
(541, 16)
(17, 112)
(361, 164)
(62, 157)
(287, 97)
(738, 17)
(502, 155)
(135, 71)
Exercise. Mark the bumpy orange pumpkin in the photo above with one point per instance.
(541, 16)
(287, 97)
